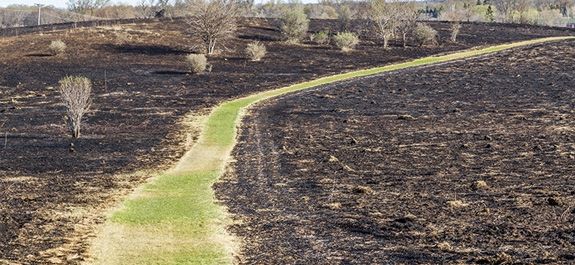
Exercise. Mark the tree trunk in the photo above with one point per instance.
(404, 36)
(385, 42)
(211, 45)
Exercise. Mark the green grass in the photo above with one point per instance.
(175, 218)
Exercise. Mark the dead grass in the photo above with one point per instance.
(457, 204)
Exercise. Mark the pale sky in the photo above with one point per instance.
(56, 3)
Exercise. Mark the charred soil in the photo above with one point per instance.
(465, 162)
(54, 189)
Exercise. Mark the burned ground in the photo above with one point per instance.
(466, 162)
(52, 193)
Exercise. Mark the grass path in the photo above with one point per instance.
(175, 219)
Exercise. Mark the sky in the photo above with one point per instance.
(56, 3)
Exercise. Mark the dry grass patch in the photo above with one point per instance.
(456, 204)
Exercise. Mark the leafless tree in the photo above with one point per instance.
(454, 16)
(75, 93)
(407, 18)
(384, 19)
(505, 8)
(146, 8)
(522, 7)
(86, 6)
(212, 21)
(11, 18)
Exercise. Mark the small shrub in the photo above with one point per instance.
(346, 41)
(294, 24)
(197, 63)
(321, 38)
(425, 35)
(75, 93)
(256, 51)
(57, 47)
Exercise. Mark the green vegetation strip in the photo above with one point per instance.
(175, 218)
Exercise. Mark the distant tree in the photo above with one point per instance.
(11, 18)
(212, 21)
(407, 13)
(384, 20)
(504, 8)
(489, 14)
(163, 8)
(245, 6)
(146, 8)
(294, 24)
(344, 16)
(564, 6)
(86, 6)
(522, 7)
(454, 16)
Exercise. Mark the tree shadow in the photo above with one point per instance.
(170, 72)
(257, 37)
(145, 49)
(39, 55)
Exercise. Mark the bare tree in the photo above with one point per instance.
(75, 93)
(212, 21)
(522, 7)
(454, 16)
(163, 7)
(86, 6)
(344, 17)
(11, 18)
(384, 20)
(407, 18)
(505, 8)
(146, 8)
